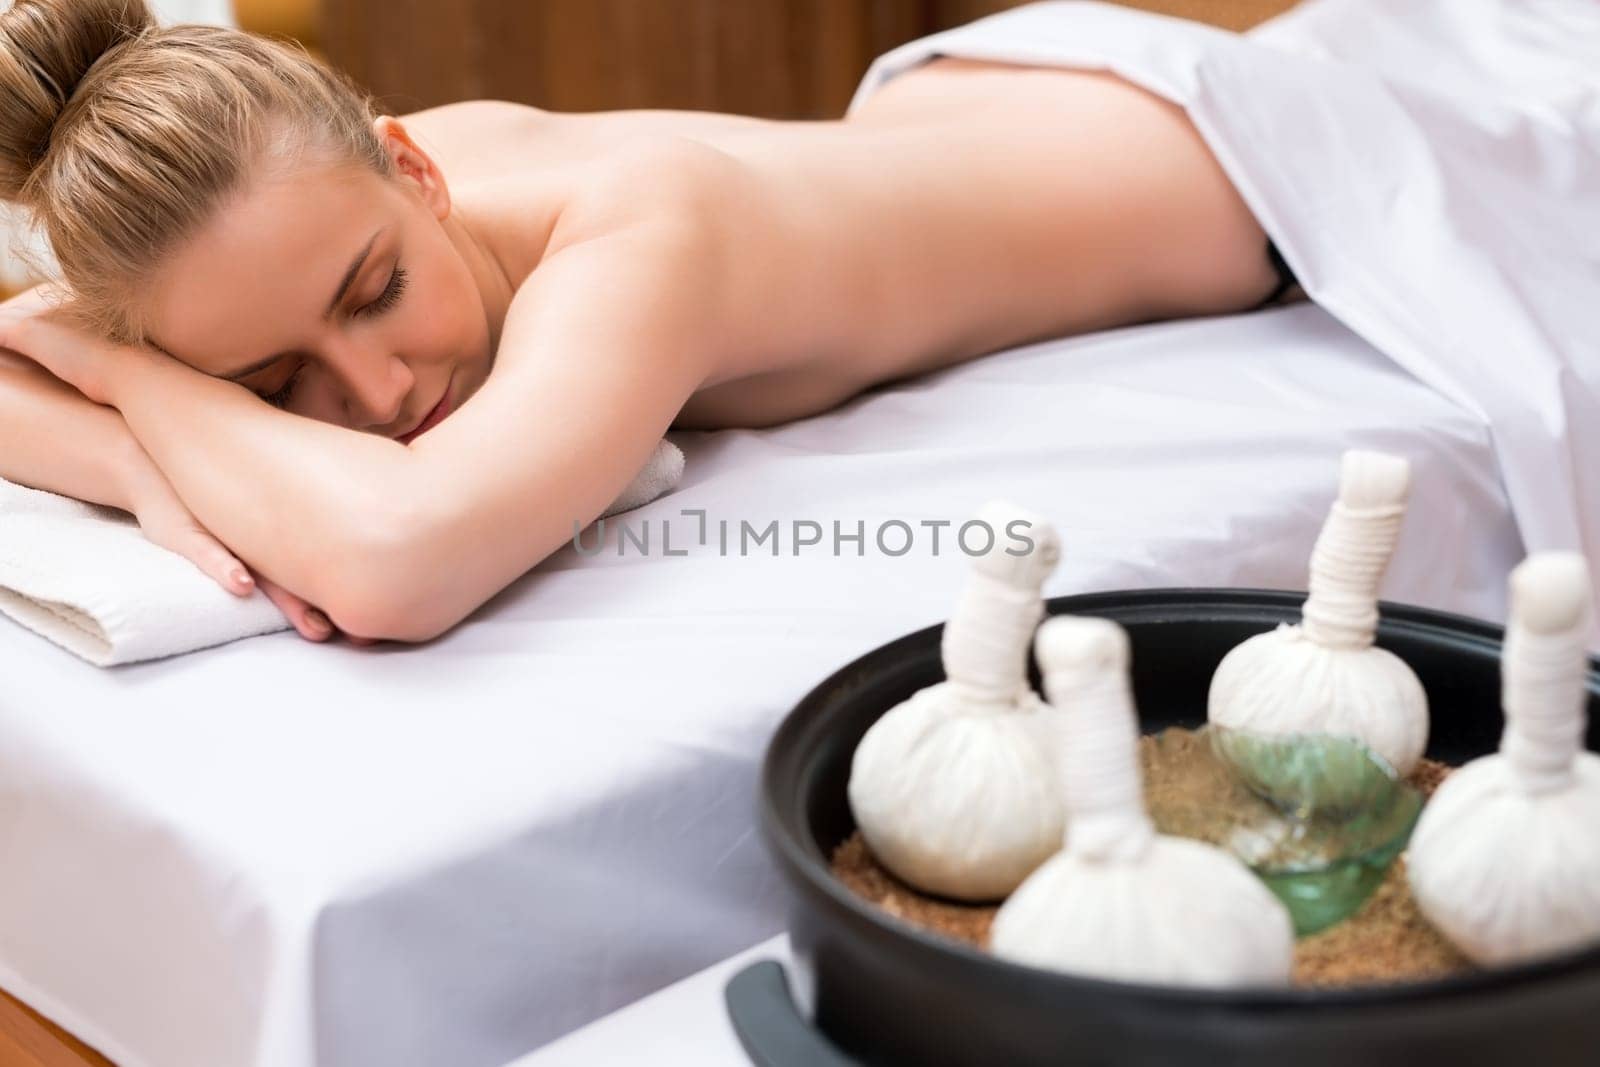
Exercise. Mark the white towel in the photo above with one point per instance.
(85, 577)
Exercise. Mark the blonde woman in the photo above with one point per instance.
(387, 363)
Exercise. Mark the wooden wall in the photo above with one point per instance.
(766, 57)
(776, 58)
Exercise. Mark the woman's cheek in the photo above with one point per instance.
(469, 329)
(442, 328)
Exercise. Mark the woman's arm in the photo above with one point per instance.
(54, 438)
(600, 350)
(283, 491)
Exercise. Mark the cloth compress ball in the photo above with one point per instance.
(1325, 676)
(1122, 901)
(1505, 860)
(954, 789)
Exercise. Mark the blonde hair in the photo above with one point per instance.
(122, 138)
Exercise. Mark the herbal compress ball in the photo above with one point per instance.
(1505, 860)
(1325, 676)
(954, 789)
(1122, 901)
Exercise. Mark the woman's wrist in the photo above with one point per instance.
(136, 475)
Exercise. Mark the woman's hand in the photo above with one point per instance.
(34, 325)
(166, 521)
(310, 622)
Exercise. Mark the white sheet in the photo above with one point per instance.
(275, 853)
(278, 854)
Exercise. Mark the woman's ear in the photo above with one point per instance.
(412, 164)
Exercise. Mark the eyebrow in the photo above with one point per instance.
(344, 287)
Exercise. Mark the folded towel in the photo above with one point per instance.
(85, 577)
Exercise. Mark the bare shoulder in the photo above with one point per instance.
(664, 182)
(651, 219)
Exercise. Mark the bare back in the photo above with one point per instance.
(966, 207)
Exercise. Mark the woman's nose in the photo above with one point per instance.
(375, 386)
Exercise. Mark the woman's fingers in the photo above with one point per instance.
(312, 624)
(209, 554)
(226, 568)
(167, 522)
(205, 552)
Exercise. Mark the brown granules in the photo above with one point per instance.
(854, 865)
(1387, 940)
(1428, 775)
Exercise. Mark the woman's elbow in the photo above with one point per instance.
(377, 619)
(385, 591)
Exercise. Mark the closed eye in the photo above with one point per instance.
(378, 305)
(389, 297)
(281, 398)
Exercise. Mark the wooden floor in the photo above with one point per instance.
(27, 1039)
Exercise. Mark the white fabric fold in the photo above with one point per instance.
(85, 576)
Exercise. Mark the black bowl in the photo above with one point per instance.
(883, 992)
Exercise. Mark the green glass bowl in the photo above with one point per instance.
(1318, 818)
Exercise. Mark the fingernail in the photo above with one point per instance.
(242, 577)
(319, 622)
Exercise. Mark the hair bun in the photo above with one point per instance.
(46, 49)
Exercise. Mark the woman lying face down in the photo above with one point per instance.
(391, 364)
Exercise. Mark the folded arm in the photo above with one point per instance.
(54, 438)
(600, 350)
(602, 346)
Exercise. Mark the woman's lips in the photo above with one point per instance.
(432, 419)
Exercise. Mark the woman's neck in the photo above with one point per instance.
(496, 283)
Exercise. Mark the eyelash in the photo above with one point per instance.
(390, 295)
(280, 399)
(384, 301)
